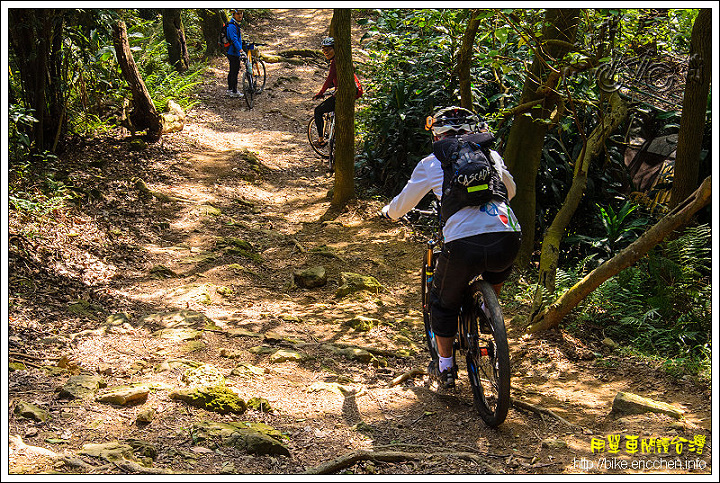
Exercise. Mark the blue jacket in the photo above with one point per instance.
(235, 38)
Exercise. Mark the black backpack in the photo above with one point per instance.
(469, 174)
(223, 40)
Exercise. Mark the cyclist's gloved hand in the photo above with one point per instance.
(384, 212)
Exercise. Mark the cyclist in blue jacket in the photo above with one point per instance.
(477, 239)
(235, 53)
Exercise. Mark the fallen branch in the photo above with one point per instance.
(538, 410)
(132, 467)
(353, 457)
(24, 361)
(409, 374)
(553, 314)
(30, 356)
(297, 244)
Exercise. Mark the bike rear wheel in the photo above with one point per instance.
(249, 89)
(258, 68)
(427, 278)
(488, 358)
(322, 151)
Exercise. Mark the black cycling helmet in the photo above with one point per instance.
(328, 42)
(454, 119)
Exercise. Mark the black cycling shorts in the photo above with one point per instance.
(489, 254)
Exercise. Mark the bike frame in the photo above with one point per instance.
(478, 348)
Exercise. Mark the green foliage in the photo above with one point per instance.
(21, 121)
(92, 82)
(661, 306)
(619, 230)
(162, 81)
(410, 53)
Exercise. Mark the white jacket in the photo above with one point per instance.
(496, 216)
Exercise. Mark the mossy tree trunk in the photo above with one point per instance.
(465, 60)
(211, 20)
(527, 135)
(344, 189)
(594, 145)
(174, 32)
(552, 315)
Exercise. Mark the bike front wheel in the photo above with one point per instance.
(488, 357)
(322, 151)
(258, 68)
(249, 89)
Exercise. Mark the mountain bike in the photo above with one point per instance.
(326, 150)
(255, 76)
(481, 338)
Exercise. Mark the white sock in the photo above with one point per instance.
(446, 363)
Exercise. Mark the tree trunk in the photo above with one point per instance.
(332, 28)
(144, 116)
(35, 37)
(465, 60)
(527, 136)
(211, 20)
(692, 122)
(553, 314)
(344, 189)
(175, 37)
(554, 235)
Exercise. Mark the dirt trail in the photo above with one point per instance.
(187, 255)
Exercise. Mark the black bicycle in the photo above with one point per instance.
(326, 148)
(482, 339)
(255, 76)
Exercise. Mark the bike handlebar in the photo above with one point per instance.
(424, 212)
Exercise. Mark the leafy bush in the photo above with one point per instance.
(408, 76)
(21, 121)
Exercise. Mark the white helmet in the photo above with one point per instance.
(453, 119)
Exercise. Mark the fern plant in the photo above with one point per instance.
(662, 305)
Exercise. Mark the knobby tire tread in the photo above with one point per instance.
(496, 415)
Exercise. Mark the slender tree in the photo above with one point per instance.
(692, 121)
(344, 189)
(465, 59)
(593, 146)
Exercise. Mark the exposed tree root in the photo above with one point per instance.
(408, 375)
(538, 410)
(75, 462)
(353, 457)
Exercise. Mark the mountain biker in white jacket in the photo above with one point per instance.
(477, 239)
